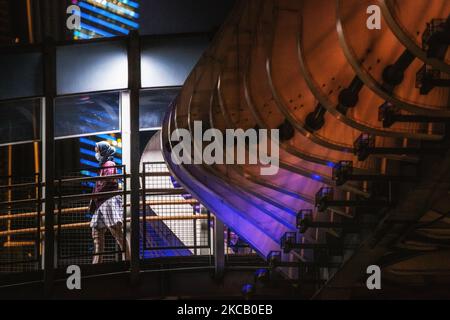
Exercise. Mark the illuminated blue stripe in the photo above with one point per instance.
(120, 9)
(87, 141)
(106, 137)
(90, 34)
(88, 173)
(89, 163)
(130, 3)
(109, 15)
(87, 152)
(81, 35)
(96, 30)
(104, 23)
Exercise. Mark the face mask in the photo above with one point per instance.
(98, 156)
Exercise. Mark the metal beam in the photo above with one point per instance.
(134, 85)
(48, 149)
(412, 207)
(219, 249)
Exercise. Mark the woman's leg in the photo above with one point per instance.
(98, 235)
(117, 233)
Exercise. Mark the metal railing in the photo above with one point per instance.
(20, 251)
(173, 223)
(80, 229)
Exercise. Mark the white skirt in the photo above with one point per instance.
(109, 214)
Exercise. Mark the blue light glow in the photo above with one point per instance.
(88, 173)
(88, 163)
(130, 3)
(96, 30)
(87, 152)
(109, 15)
(81, 35)
(119, 18)
(106, 137)
(87, 141)
(104, 23)
(118, 8)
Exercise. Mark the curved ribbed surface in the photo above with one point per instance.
(272, 65)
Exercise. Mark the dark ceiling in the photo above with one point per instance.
(182, 16)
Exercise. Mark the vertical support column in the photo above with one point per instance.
(126, 135)
(48, 148)
(219, 248)
(134, 85)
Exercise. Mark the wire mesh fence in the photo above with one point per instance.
(173, 223)
(91, 224)
(92, 219)
(20, 224)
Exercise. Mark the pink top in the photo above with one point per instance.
(106, 185)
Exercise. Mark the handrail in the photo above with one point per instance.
(83, 209)
(149, 191)
(81, 179)
(33, 184)
(21, 185)
(87, 224)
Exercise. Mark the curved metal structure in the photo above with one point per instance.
(355, 123)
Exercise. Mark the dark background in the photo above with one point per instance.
(182, 16)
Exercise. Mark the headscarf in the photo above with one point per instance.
(105, 152)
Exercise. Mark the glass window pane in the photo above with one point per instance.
(20, 121)
(87, 114)
(92, 67)
(168, 62)
(153, 105)
(21, 75)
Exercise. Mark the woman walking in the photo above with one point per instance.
(107, 210)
